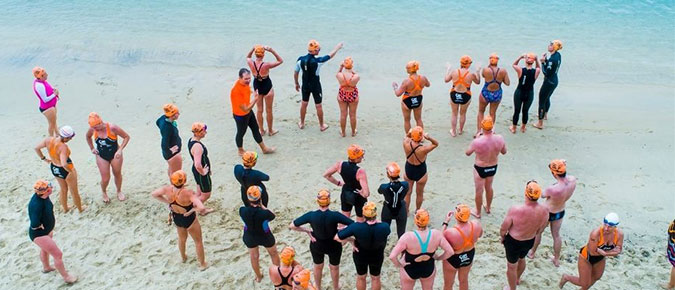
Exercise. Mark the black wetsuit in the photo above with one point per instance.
(324, 227)
(204, 181)
(40, 212)
(550, 70)
(310, 65)
(261, 84)
(394, 204)
(170, 137)
(257, 231)
(524, 95)
(248, 177)
(349, 197)
(370, 239)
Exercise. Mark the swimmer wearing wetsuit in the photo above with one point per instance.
(524, 94)
(257, 231)
(108, 152)
(262, 84)
(171, 142)
(48, 97)
(605, 241)
(550, 67)
(521, 225)
(348, 94)
(462, 237)
(415, 253)
(310, 66)
(184, 204)
(369, 239)
(460, 94)
(201, 166)
(416, 163)
(247, 176)
(354, 182)
(61, 166)
(487, 147)
(394, 193)
(40, 232)
(556, 196)
(411, 92)
(282, 276)
(240, 98)
(324, 224)
(492, 90)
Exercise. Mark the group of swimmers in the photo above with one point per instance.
(415, 251)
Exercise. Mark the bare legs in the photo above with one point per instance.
(480, 185)
(557, 242)
(104, 168)
(462, 117)
(408, 284)
(334, 274)
(195, 231)
(482, 104)
(52, 129)
(255, 260)
(419, 191)
(417, 112)
(49, 248)
(175, 163)
(352, 116)
(671, 284)
(588, 274)
(268, 101)
(449, 276)
(319, 114)
(344, 107)
(514, 272)
(63, 194)
(71, 180)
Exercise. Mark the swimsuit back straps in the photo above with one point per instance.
(494, 77)
(423, 245)
(468, 240)
(257, 69)
(460, 79)
(347, 83)
(412, 152)
(175, 200)
(284, 279)
(416, 82)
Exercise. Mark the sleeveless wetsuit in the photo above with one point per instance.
(204, 181)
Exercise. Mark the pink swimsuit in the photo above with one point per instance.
(45, 94)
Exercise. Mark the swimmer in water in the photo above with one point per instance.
(460, 94)
(108, 152)
(492, 89)
(411, 90)
(247, 176)
(556, 196)
(394, 193)
(288, 266)
(240, 97)
(48, 98)
(416, 163)
(462, 237)
(550, 67)
(415, 253)
(201, 166)
(171, 142)
(61, 166)
(524, 94)
(310, 66)
(184, 204)
(41, 230)
(354, 182)
(487, 147)
(605, 241)
(262, 84)
(257, 231)
(348, 95)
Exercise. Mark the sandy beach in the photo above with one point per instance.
(613, 120)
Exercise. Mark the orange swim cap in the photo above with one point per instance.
(259, 50)
(462, 213)
(38, 72)
(348, 62)
(302, 278)
(253, 193)
(198, 127)
(370, 210)
(178, 178)
(487, 124)
(412, 66)
(494, 59)
(41, 186)
(558, 166)
(313, 45)
(465, 61)
(94, 119)
(421, 218)
(533, 190)
(416, 133)
(170, 110)
(249, 158)
(355, 152)
(557, 45)
(323, 197)
(393, 170)
(531, 55)
(287, 255)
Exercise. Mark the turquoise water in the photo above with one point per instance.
(609, 41)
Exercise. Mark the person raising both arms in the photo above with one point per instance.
(310, 65)
(487, 147)
(108, 152)
(240, 97)
(348, 95)
(416, 163)
(171, 142)
(48, 98)
(201, 166)
(262, 84)
(524, 94)
(550, 67)
(492, 90)
(411, 90)
(460, 94)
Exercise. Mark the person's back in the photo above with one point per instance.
(527, 220)
(461, 80)
(559, 193)
(370, 237)
(493, 82)
(463, 236)
(487, 148)
(256, 219)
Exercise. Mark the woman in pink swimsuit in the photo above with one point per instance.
(48, 97)
(348, 95)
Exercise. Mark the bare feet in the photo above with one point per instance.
(203, 266)
(121, 197)
(323, 127)
(506, 287)
(487, 210)
(523, 128)
(47, 270)
(183, 258)
(70, 279)
(342, 134)
(512, 128)
(539, 125)
(259, 278)
(206, 211)
(355, 132)
(269, 150)
(531, 254)
(461, 131)
(106, 199)
(263, 132)
(667, 286)
(555, 261)
(301, 125)
(475, 213)
(273, 132)
(82, 208)
(562, 282)
(452, 133)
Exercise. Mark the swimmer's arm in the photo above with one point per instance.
(276, 55)
(251, 104)
(199, 206)
(295, 77)
(328, 175)
(428, 83)
(447, 250)
(469, 150)
(506, 225)
(363, 180)
(263, 176)
(517, 68)
(538, 69)
(250, 55)
(64, 159)
(480, 229)
(619, 247)
(503, 151)
(476, 75)
(592, 247)
(197, 153)
(158, 194)
(396, 252)
(507, 81)
(165, 132)
(345, 235)
(120, 132)
(90, 133)
(434, 142)
(42, 92)
(35, 215)
(38, 150)
(398, 90)
(334, 51)
(448, 74)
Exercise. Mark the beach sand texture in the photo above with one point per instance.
(612, 119)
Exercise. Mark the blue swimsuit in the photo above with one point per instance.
(492, 96)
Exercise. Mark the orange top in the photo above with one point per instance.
(601, 242)
(461, 81)
(52, 147)
(347, 83)
(108, 132)
(240, 95)
(417, 87)
(468, 240)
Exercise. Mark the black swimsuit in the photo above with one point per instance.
(349, 197)
(424, 269)
(415, 172)
(107, 147)
(262, 84)
(284, 279)
(179, 219)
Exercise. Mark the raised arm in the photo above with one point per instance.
(335, 50)
(448, 74)
(276, 55)
(518, 69)
(328, 175)
(538, 68)
(158, 194)
(433, 145)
